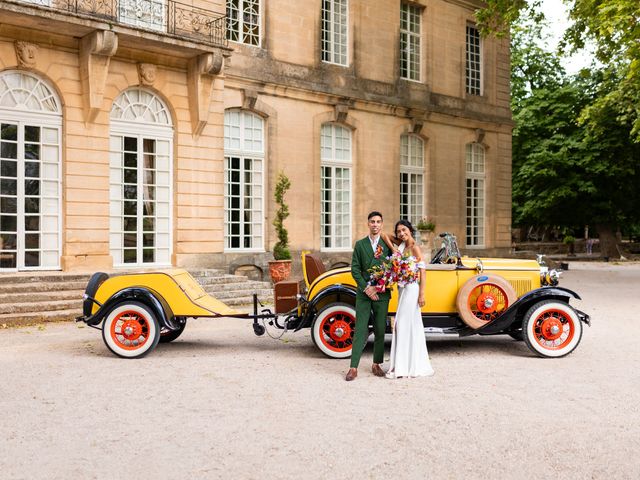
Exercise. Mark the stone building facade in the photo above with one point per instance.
(150, 133)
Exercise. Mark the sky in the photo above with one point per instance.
(557, 16)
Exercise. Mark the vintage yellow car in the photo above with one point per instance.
(464, 296)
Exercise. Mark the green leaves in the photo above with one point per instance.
(281, 248)
(576, 142)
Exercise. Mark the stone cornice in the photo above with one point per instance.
(440, 108)
(328, 85)
(469, 4)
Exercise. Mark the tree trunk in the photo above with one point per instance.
(608, 242)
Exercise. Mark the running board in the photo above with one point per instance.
(440, 331)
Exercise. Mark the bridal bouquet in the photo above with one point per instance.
(380, 276)
(396, 269)
(404, 269)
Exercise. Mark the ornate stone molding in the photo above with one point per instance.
(96, 50)
(26, 54)
(341, 110)
(147, 73)
(418, 119)
(200, 77)
(417, 123)
(249, 98)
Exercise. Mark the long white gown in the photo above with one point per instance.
(409, 356)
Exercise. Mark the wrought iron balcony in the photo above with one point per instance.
(163, 16)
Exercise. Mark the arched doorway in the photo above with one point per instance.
(140, 179)
(30, 173)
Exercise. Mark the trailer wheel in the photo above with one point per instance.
(167, 335)
(551, 329)
(484, 298)
(131, 330)
(333, 330)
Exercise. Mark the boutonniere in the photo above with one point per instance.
(378, 252)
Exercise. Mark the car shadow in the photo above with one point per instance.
(303, 346)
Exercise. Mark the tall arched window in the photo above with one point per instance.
(411, 178)
(30, 173)
(244, 166)
(475, 176)
(140, 181)
(335, 194)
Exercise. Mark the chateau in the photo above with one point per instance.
(140, 133)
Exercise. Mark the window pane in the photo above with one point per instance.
(244, 133)
(474, 62)
(334, 31)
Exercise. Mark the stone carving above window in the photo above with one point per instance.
(26, 54)
(147, 73)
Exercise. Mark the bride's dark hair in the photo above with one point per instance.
(407, 224)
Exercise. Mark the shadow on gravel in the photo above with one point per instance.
(304, 347)
(481, 345)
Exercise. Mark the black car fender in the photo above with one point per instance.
(516, 311)
(346, 293)
(147, 297)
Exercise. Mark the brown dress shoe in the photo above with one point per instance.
(351, 374)
(377, 370)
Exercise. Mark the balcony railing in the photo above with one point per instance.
(166, 16)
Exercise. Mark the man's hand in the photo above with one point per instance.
(371, 292)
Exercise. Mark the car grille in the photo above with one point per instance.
(521, 286)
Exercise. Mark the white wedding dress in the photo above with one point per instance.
(409, 356)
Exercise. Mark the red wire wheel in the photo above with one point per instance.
(130, 330)
(483, 298)
(552, 328)
(333, 330)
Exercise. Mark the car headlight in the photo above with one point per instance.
(554, 277)
(549, 277)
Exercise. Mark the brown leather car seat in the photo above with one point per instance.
(314, 267)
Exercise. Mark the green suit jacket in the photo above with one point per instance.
(363, 259)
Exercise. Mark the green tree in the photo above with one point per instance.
(281, 248)
(576, 154)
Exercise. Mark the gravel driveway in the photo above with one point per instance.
(222, 403)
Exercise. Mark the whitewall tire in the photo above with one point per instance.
(333, 330)
(552, 329)
(131, 330)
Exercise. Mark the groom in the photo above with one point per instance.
(369, 251)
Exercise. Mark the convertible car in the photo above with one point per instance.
(464, 296)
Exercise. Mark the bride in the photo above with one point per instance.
(409, 356)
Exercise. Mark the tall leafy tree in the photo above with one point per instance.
(576, 156)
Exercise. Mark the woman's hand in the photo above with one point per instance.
(421, 301)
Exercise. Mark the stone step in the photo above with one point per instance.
(24, 319)
(230, 287)
(9, 288)
(246, 301)
(206, 272)
(224, 296)
(42, 277)
(38, 297)
(48, 306)
(222, 279)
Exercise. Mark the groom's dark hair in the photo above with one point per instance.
(375, 213)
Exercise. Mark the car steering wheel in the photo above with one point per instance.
(438, 256)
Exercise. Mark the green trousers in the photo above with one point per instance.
(364, 307)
